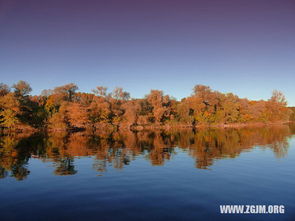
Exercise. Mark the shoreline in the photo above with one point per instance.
(137, 128)
(202, 126)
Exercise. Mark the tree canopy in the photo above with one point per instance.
(64, 108)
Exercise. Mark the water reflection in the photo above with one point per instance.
(120, 148)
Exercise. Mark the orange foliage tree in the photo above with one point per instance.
(63, 108)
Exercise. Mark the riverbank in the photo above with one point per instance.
(187, 126)
(109, 127)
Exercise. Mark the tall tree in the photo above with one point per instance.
(4, 89)
(67, 91)
(22, 88)
(100, 91)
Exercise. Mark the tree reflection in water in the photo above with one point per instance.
(120, 148)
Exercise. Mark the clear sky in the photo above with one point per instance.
(242, 46)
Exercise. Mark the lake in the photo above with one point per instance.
(148, 175)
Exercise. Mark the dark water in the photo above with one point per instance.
(174, 175)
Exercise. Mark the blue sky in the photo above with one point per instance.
(244, 47)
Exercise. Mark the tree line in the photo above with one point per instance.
(65, 108)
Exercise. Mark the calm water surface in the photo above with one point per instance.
(158, 175)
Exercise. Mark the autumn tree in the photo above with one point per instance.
(66, 91)
(46, 93)
(22, 89)
(278, 97)
(131, 113)
(276, 107)
(9, 111)
(160, 105)
(99, 111)
(292, 116)
(207, 104)
(33, 113)
(119, 94)
(100, 91)
(116, 99)
(4, 89)
(185, 112)
(228, 110)
(60, 120)
(78, 115)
